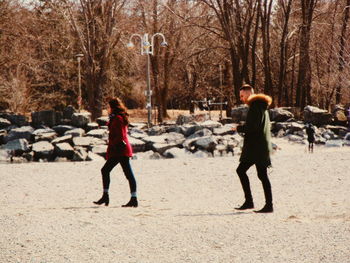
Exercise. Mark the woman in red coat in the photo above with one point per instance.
(119, 151)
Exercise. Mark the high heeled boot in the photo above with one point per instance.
(104, 200)
(132, 203)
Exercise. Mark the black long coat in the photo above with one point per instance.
(257, 131)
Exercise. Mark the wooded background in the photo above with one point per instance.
(297, 51)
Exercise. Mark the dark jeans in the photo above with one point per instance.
(125, 163)
(262, 174)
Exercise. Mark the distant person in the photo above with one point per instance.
(310, 131)
(256, 146)
(119, 151)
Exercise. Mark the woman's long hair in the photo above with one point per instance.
(118, 108)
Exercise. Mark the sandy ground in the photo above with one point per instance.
(186, 211)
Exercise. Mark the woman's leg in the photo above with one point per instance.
(106, 169)
(125, 163)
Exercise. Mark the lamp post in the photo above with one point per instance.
(79, 56)
(147, 48)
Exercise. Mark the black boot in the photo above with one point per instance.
(104, 200)
(247, 205)
(268, 208)
(132, 203)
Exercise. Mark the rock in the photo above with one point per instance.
(92, 126)
(29, 156)
(225, 121)
(24, 132)
(239, 113)
(347, 137)
(191, 129)
(334, 143)
(336, 129)
(94, 157)
(137, 145)
(316, 116)
(82, 141)
(64, 150)
(184, 119)
(43, 150)
(156, 130)
(3, 134)
(4, 123)
(18, 159)
(18, 146)
(68, 112)
(102, 121)
(339, 115)
(45, 137)
(201, 117)
(18, 120)
(177, 153)
(81, 119)
(62, 129)
(209, 124)
(78, 132)
(63, 139)
(100, 150)
(98, 133)
(47, 118)
(200, 133)
(225, 130)
(46, 134)
(206, 143)
(280, 115)
(175, 128)
(162, 147)
(80, 154)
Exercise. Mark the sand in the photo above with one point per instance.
(185, 215)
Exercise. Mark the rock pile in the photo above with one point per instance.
(71, 136)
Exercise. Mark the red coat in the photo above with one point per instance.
(118, 132)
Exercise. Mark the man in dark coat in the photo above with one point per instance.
(256, 147)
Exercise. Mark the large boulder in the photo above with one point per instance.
(15, 119)
(211, 125)
(47, 118)
(184, 119)
(102, 121)
(280, 114)
(45, 134)
(339, 115)
(225, 130)
(80, 154)
(3, 134)
(18, 146)
(316, 116)
(24, 132)
(78, 132)
(190, 129)
(81, 119)
(83, 141)
(239, 113)
(207, 143)
(4, 123)
(200, 133)
(68, 112)
(64, 150)
(62, 129)
(100, 150)
(98, 133)
(137, 145)
(92, 126)
(43, 150)
(63, 139)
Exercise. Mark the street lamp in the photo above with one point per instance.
(147, 48)
(79, 57)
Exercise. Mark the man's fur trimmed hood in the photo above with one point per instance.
(260, 97)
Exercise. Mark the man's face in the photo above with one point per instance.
(244, 95)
